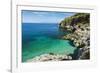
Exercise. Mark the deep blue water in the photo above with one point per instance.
(32, 30)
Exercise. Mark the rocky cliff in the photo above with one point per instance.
(79, 27)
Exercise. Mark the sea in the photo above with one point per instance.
(44, 38)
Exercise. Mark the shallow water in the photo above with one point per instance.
(42, 38)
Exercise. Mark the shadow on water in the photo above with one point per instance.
(75, 55)
(71, 43)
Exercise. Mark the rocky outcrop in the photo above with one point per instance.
(79, 27)
(50, 57)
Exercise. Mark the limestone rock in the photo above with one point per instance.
(50, 57)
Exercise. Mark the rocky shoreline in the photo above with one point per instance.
(79, 27)
(50, 57)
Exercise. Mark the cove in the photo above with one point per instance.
(43, 38)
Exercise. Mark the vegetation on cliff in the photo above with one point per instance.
(79, 27)
(79, 20)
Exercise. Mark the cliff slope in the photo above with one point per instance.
(79, 27)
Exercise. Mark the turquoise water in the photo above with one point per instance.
(40, 39)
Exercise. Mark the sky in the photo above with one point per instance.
(44, 16)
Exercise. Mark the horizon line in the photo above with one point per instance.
(30, 22)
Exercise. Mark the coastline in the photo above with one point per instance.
(78, 27)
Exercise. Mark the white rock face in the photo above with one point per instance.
(50, 57)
